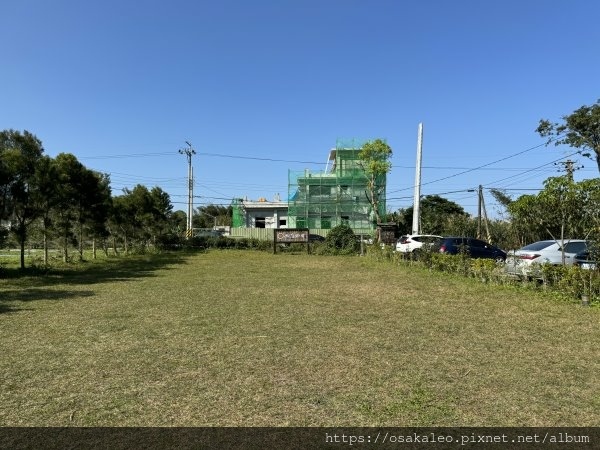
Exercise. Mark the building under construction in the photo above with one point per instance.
(338, 195)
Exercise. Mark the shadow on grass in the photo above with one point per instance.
(35, 294)
(29, 284)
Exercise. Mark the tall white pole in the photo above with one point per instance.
(416, 224)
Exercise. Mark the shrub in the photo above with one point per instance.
(341, 240)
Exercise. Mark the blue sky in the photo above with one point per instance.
(122, 85)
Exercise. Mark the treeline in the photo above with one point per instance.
(59, 201)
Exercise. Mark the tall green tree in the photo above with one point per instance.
(20, 154)
(580, 129)
(68, 209)
(95, 203)
(46, 178)
(375, 158)
(160, 210)
(438, 215)
(120, 222)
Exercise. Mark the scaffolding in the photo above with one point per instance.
(238, 218)
(339, 195)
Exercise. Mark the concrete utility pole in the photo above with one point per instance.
(189, 152)
(569, 167)
(416, 223)
(480, 208)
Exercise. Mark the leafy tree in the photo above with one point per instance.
(210, 215)
(139, 216)
(69, 204)
(120, 222)
(20, 154)
(160, 210)
(46, 177)
(501, 197)
(374, 158)
(96, 207)
(581, 130)
(177, 223)
(438, 216)
(562, 210)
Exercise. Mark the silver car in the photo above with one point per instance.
(526, 261)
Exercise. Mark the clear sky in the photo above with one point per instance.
(259, 87)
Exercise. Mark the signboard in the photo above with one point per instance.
(387, 233)
(290, 236)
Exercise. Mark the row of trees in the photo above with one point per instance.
(61, 201)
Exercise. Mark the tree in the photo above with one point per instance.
(95, 204)
(160, 210)
(374, 159)
(438, 215)
(210, 215)
(177, 223)
(140, 216)
(20, 154)
(581, 130)
(46, 177)
(68, 208)
(562, 210)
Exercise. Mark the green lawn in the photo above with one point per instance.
(232, 338)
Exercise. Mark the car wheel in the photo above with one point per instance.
(499, 260)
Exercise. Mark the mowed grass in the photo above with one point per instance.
(242, 338)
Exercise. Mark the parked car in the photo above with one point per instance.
(584, 260)
(475, 248)
(526, 261)
(411, 242)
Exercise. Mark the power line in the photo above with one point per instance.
(476, 168)
(546, 164)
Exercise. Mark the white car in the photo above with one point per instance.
(525, 262)
(411, 242)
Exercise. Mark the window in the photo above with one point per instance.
(575, 247)
(478, 243)
(282, 222)
(259, 222)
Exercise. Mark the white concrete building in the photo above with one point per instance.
(260, 213)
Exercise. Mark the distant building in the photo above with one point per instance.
(260, 213)
(319, 200)
(336, 196)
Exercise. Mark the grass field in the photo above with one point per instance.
(232, 338)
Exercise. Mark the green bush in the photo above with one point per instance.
(340, 240)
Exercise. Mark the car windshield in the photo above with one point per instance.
(538, 245)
